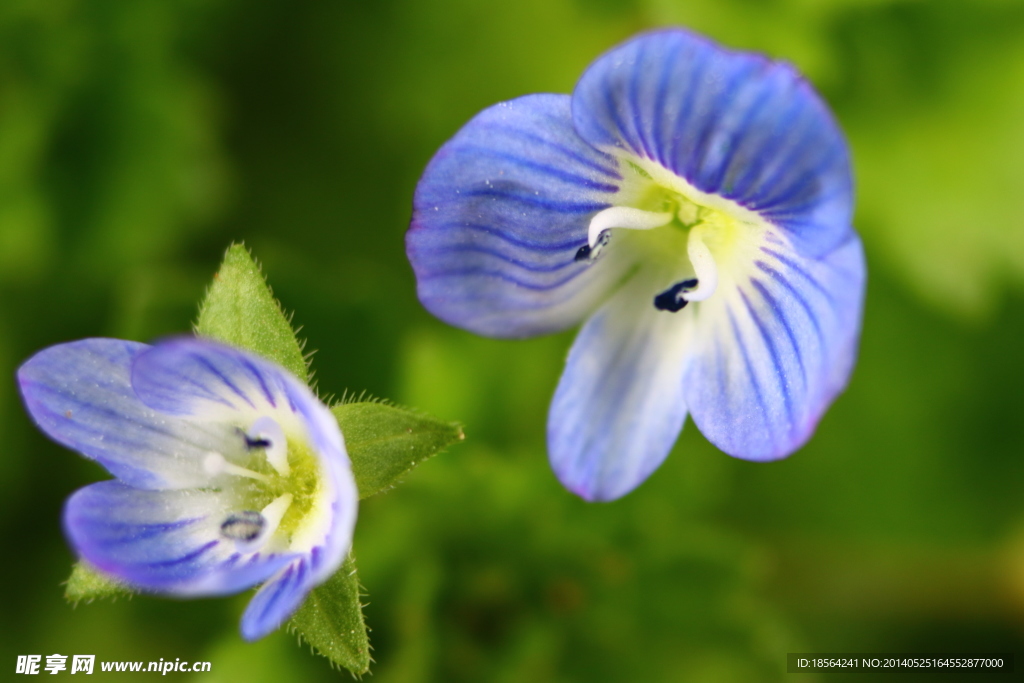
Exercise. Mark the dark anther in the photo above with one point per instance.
(669, 300)
(251, 443)
(585, 252)
(243, 526)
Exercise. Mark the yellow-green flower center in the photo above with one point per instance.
(275, 493)
(665, 223)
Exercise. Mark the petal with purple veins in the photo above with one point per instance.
(499, 216)
(167, 541)
(80, 394)
(619, 405)
(277, 599)
(777, 344)
(732, 124)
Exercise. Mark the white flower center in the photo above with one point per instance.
(705, 279)
(276, 501)
(691, 234)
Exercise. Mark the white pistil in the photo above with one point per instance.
(624, 217)
(268, 430)
(704, 268)
(688, 213)
(214, 463)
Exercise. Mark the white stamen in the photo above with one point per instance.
(267, 429)
(214, 463)
(704, 267)
(274, 512)
(624, 217)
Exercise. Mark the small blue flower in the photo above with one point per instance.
(229, 471)
(693, 206)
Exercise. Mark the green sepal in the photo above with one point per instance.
(384, 442)
(331, 620)
(240, 309)
(86, 583)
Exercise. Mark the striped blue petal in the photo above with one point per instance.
(732, 124)
(205, 381)
(499, 215)
(776, 349)
(200, 378)
(619, 405)
(277, 599)
(165, 541)
(80, 395)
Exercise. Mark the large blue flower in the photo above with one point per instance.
(693, 205)
(229, 471)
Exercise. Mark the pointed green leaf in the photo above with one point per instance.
(385, 442)
(86, 583)
(331, 620)
(240, 309)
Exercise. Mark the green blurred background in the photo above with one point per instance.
(138, 138)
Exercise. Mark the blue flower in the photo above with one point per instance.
(693, 206)
(229, 471)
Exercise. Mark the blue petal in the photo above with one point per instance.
(777, 350)
(499, 215)
(732, 124)
(80, 395)
(619, 405)
(164, 541)
(199, 377)
(208, 381)
(276, 600)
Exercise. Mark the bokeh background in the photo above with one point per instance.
(139, 138)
